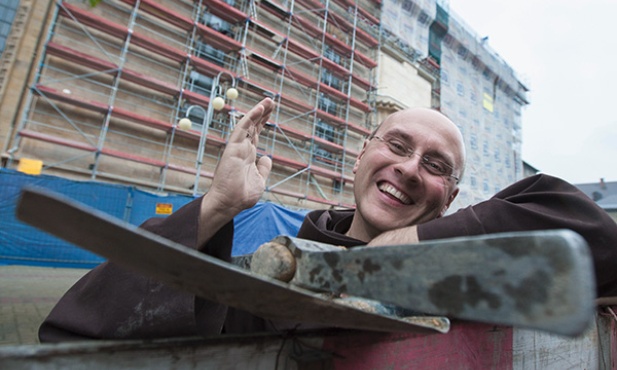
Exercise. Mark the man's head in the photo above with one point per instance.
(407, 172)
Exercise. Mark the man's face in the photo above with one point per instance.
(394, 191)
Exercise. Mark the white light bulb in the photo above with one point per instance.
(185, 124)
(231, 93)
(218, 103)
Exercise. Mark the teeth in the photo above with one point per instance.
(387, 188)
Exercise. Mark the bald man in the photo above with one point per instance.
(407, 172)
(406, 177)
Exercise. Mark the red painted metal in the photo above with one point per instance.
(107, 151)
(225, 11)
(342, 22)
(304, 79)
(170, 16)
(217, 40)
(121, 32)
(338, 45)
(465, 347)
(110, 68)
(71, 99)
(365, 14)
(307, 54)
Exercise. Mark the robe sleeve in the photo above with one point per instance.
(539, 202)
(111, 302)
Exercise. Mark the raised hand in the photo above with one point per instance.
(239, 179)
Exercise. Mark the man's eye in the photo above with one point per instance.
(436, 166)
(397, 147)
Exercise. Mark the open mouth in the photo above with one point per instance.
(394, 193)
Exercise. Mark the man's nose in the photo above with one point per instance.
(409, 167)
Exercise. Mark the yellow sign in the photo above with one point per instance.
(487, 102)
(30, 166)
(164, 208)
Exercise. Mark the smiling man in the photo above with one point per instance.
(407, 176)
(407, 172)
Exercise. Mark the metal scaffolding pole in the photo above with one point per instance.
(114, 90)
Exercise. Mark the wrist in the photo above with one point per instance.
(212, 217)
(405, 235)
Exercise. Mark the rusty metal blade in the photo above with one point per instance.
(205, 276)
(542, 280)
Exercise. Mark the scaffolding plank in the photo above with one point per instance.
(163, 13)
(121, 113)
(54, 94)
(338, 45)
(92, 62)
(304, 79)
(109, 152)
(218, 40)
(346, 4)
(225, 11)
(120, 31)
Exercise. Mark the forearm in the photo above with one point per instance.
(405, 235)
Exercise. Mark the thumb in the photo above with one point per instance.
(264, 165)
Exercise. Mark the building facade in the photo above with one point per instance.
(98, 92)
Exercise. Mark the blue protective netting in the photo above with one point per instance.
(23, 244)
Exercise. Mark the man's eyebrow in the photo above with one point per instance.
(398, 134)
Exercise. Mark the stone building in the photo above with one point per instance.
(97, 92)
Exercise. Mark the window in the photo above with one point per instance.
(423, 18)
(209, 53)
(473, 141)
(325, 131)
(200, 84)
(332, 55)
(216, 24)
(408, 6)
(445, 78)
(337, 186)
(323, 156)
(8, 8)
(329, 79)
(327, 105)
(460, 89)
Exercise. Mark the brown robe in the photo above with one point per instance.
(112, 303)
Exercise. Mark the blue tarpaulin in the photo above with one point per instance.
(263, 223)
(23, 244)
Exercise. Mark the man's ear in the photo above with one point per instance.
(355, 166)
(449, 202)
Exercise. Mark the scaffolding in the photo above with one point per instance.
(115, 80)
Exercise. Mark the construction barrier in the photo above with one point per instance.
(23, 244)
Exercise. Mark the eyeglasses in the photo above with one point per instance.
(433, 166)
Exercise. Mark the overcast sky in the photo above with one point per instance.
(566, 53)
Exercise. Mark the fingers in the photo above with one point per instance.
(253, 122)
(264, 165)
